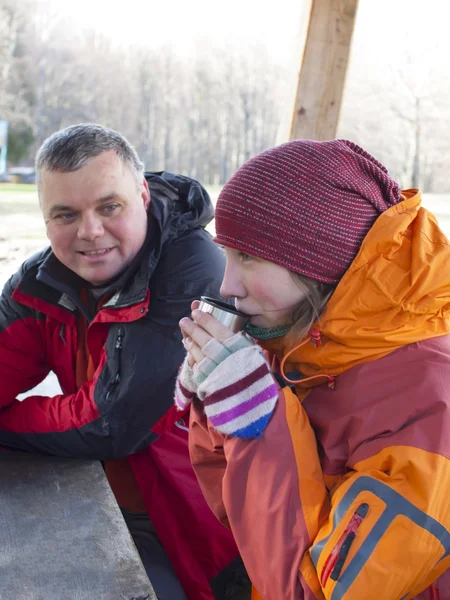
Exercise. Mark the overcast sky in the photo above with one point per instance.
(385, 25)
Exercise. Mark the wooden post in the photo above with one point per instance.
(323, 68)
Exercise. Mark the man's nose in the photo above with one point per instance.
(91, 228)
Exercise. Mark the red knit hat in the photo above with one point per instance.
(305, 205)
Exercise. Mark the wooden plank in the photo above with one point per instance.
(296, 60)
(62, 534)
(323, 69)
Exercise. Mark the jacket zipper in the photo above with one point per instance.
(335, 561)
(434, 591)
(119, 339)
(118, 349)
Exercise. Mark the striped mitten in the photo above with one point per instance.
(236, 386)
(185, 386)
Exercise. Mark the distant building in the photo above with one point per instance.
(21, 175)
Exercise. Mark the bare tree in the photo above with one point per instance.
(206, 112)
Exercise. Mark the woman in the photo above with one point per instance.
(328, 453)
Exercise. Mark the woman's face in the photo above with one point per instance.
(263, 290)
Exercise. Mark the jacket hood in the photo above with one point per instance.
(396, 292)
(178, 203)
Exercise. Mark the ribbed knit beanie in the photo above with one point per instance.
(305, 205)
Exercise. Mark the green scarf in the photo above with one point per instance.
(259, 333)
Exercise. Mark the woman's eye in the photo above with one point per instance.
(245, 257)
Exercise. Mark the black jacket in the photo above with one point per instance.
(135, 341)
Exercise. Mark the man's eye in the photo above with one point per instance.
(245, 257)
(65, 216)
(109, 208)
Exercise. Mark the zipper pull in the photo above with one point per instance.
(350, 531)
(119, 339)
(335, 561)
(315, 336)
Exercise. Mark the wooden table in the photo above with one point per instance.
(62, 535)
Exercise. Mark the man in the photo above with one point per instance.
(101, 308)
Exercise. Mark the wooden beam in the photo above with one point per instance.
(323, 69)
(62, 533)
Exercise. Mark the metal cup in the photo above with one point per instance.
(224, 313)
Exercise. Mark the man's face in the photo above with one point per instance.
(96, 217)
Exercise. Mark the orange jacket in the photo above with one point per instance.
(347, 493)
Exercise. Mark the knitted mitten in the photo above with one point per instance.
(236, 386)
(185, 387)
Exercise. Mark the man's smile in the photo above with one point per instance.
(99, 252)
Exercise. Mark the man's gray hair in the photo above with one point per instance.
(73, 147)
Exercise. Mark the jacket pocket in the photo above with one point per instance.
(336, 559)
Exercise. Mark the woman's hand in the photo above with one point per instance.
(200, 330)
(229, 374)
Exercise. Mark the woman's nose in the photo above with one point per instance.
(232, 286)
